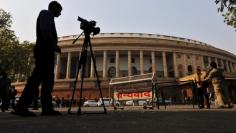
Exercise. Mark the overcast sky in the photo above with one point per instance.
(192, 19)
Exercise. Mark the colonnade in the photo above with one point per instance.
(227, 65)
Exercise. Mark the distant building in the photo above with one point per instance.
(126, 54)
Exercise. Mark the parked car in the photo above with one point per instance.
(129, 103)
(107, 101)
(117, 103)
(92, 103)
(142, 103)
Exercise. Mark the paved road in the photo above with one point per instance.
(131, 120)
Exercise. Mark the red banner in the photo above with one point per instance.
(133, 95)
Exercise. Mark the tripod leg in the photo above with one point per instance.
(73, 93)
(96, 74)
(80, 62)
(84, 55)
(81, 88)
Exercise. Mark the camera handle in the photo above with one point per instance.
(77, 38)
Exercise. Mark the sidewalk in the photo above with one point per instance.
(178, 119)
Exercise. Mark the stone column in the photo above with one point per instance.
(222, 63)
(57, 66)
(185, 65)
(231, 65)
(230, 68)
(227, 65)
(91, 68)
(104, 64)
(153, 62)
(117, 63)
(141, 62)
(202, 63)
(175, 65)
(209, 60)
(164, 64)
(129, 63)
(80, 71)
(234, 67)
(216, 62)
(68, 65)
(194, 62)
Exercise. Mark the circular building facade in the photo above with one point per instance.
(127, 54)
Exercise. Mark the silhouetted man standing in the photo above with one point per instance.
(5, 83)
(43, 73)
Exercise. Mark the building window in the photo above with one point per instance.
(74, 64)
(213, 59)
(134, 70)
(188, 56)
(229, 64)
(178, 55)
(63, 66)
(170, 64)
(111, 72)
(190, 69)
(219, 63)
(206, 62)
(112, 60)
(150, 70)
(225, 67)
(133, 60)
(180, 70)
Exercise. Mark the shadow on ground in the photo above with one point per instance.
(127, 121)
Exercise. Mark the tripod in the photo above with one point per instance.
(82, 65)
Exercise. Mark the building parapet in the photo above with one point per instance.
(189, 42)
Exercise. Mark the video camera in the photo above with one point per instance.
(88, 26)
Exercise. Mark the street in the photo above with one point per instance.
(178, 119)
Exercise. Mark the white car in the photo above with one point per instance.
(107, 101)
(92, 103)
(142, 103)
(129, 103)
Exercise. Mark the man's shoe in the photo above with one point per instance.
(50, 113)
(24, 113)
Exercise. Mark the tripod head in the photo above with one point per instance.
(88, 26)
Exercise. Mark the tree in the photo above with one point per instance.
(23, 63)
(228, 10)
(7, 39)
(13, 55)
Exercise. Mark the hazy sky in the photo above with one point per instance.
(192, 19)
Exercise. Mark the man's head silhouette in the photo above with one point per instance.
(55, 8)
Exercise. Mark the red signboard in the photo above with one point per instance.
(133, 95)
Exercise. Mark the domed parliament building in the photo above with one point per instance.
(126, 54)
